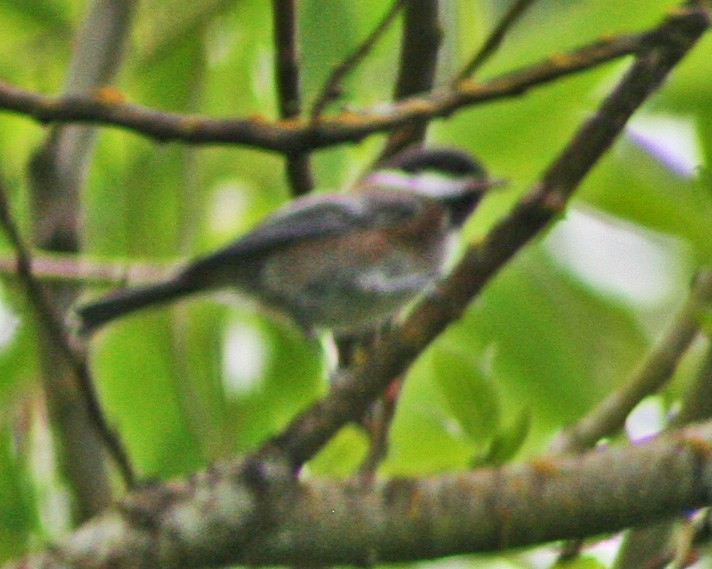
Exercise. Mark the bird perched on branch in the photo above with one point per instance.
(343, 261)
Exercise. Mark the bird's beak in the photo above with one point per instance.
(480, 185)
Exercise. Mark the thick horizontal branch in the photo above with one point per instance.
(492, 509)
(204, 521)
(291, 136)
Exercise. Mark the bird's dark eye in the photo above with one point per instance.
(460, 207)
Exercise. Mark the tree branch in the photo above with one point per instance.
(55, 332)
(254, 512)
(656, 544)
(495, 39)
(609, 416)
(107, 107)
(332, 86)
(203, 521)
(57, 171)
(493, 509)
(420, 45)
(288, 93)
(68, 268)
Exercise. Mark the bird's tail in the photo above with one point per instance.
(119, 303)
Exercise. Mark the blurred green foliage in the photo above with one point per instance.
(535, 351)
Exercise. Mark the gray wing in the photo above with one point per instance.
(315, 217)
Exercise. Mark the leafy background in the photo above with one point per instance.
(559, 328)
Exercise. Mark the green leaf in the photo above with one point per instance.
(342, 455)
(541, 333)
(581, 562)
(507, 441)
(135, 366)
(18, 348)
(471, 396)
(18, 515)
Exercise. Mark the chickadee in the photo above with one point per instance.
(344, 261)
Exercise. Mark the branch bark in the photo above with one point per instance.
(108, 107)
(57, 172)
(219, 517)
(420, 45)
(288, 91)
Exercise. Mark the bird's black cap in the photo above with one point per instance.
(440, 158)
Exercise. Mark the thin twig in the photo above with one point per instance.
(609, 416)
(516, 10)
(51, 323)
(69, 268)
(332, 87)
(378, 425)
(288, 92)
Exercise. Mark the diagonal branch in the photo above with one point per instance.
(332, 85)
(609, 416)
(55, 332)
(495, 39)
(393, 354)
(57, 172)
